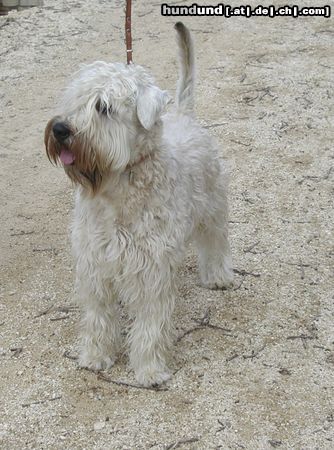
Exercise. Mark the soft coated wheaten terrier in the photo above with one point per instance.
(147, 182)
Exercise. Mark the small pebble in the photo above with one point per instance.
(99, 426)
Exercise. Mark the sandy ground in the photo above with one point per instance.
(254, 366)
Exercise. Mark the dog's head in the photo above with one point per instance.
(107, 112)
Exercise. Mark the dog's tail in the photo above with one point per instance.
(185, 85)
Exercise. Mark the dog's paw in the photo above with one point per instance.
(216, 285)
(223, 281)
(152, 377)
(94, 363)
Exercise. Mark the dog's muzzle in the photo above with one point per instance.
(61, 133)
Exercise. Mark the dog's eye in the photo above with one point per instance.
(102, 108)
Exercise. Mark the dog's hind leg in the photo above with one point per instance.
(214, 253)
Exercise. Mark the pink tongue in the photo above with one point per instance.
(66, 157)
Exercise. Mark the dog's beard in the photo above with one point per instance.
(81, 162)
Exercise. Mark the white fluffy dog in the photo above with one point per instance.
(147, 183)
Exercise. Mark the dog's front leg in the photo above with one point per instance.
(100, 329)
(150, 337)
(150, 295)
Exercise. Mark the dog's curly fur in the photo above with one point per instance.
(147, 183)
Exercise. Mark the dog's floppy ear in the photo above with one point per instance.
(151, 102)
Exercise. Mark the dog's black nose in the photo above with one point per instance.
(61, 131)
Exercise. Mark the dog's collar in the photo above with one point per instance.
(130, 166)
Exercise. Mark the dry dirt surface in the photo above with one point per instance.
(253, 366)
